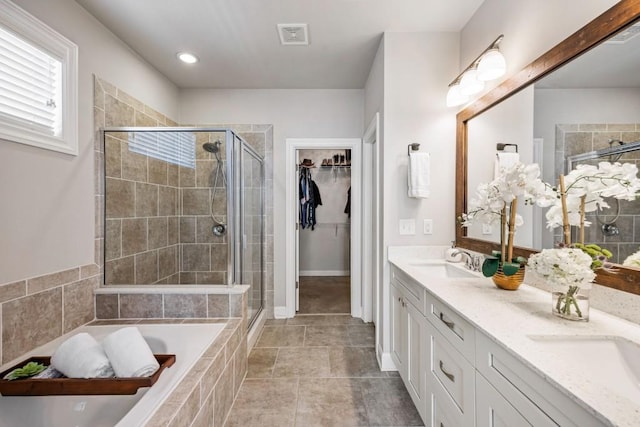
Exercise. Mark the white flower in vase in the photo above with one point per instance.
(568, 271)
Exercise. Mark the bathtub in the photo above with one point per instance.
(187, 341)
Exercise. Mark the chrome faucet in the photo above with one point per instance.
(473, 262)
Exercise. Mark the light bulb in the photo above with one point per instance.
(491, 66)
(469, 83)
(454, 97)
(187, 58)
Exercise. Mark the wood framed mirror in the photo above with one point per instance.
(621, 16)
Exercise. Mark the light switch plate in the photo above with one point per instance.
(428, 226)
(407, 227)
(487, 229)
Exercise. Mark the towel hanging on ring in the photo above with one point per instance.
(419, 175)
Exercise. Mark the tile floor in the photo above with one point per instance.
(325, 294)
(320, 370)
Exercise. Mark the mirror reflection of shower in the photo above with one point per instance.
(219, 225)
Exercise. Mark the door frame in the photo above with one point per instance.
(292, 146)
(371, 221)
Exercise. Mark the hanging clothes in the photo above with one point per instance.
(310, 199)
(347, 208)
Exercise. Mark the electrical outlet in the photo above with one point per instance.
(427, 226)
(407, 227)
(487, 229)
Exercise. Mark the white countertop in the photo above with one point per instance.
(510, 317)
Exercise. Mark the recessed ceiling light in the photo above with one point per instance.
(187, 58)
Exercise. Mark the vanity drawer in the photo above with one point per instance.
(453, 375)
(413, 291)
(459, 332)
(528, 392)
(445, 413)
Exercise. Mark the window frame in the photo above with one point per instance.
(37, 33)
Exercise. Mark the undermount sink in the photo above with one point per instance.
(613, 362)
(442, 269)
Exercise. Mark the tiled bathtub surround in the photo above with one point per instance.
(39, 309)
(170, 302)
(582, 138)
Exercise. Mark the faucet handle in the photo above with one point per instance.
(478, 260)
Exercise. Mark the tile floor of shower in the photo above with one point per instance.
(320, 370)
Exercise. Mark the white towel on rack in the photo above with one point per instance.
(419, 175)
(504, 161)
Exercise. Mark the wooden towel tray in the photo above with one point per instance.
(76, 386)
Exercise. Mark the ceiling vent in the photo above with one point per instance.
(625, 35)
(293, 34)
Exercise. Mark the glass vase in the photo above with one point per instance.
(571, 302)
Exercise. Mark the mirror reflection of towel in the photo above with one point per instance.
(503, 161)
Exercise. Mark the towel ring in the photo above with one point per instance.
(412, 147)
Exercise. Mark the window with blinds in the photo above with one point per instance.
(174, 147)
(38, 82)
(30, 85)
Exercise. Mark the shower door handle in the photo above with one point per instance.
(244, 242)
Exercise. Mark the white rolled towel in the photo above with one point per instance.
(129, 353)
(81, 356)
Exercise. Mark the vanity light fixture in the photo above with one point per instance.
(187, 58)
(489, 65)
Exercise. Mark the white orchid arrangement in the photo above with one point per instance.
(497, 201)
(565, 268)
(584, 189)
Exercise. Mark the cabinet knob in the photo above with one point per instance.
(451, 377)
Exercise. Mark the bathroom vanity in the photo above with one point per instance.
(472, 354)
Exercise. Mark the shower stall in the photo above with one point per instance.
(184, 206)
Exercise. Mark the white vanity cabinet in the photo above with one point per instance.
(408, 326)
(458, 376)
(539, 402)
(493, 410)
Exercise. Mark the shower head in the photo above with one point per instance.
(212, 147)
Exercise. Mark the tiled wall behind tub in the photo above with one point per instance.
(582, 138)
(39, 309)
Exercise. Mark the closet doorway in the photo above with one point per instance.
(324, 231)
(323, 240)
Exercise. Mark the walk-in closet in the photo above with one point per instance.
(324, 178)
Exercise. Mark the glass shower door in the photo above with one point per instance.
(252, 223)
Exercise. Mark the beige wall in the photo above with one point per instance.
(47, 219)
(293, 114)
(530, 28)
(48, 269)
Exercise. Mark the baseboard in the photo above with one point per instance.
(385, 362)
(325, 273)
(280, 312)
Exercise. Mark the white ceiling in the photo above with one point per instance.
(238, 45)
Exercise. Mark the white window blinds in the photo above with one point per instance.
(30, 85)
(174, 147)
(38, 83)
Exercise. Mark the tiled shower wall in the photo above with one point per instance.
(112, 108)
(581, 138)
